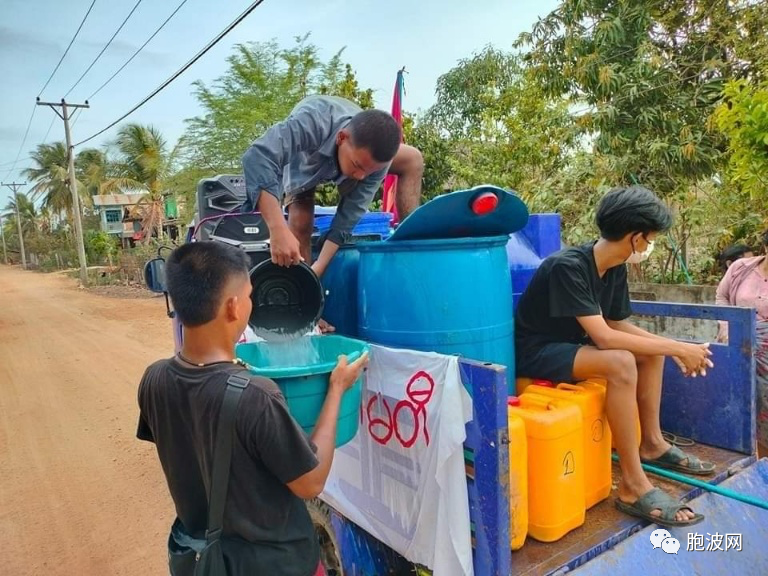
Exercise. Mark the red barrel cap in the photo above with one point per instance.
(485, 203)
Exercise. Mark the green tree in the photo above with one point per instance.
(50, 176)
(92, 169)
(262, 84)
(27, 212)
(436, 151)
(645, 75)
(743, 119)
(502, 128)
(338, 79)
(142, 162)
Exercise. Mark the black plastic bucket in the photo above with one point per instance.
(287, 301)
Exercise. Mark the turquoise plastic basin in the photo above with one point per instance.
(302, 369)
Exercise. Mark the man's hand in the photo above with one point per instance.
(324, 327)
(284, 247)
(694, 359)
(345, 375)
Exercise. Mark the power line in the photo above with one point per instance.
(183, 69)
(105, 47)
(34, 108)
(139, 50)
(75, 117)
(4, 164)
(68, 47)
(47, 132)
(23, 141)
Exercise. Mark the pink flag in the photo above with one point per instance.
(390, 182)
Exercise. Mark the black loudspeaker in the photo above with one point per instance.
(223, 194)
(248, 232)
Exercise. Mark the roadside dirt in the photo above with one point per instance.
(79, 494)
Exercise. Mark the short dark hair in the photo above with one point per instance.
(631, 209)
(196, 274)
(733, 253)
(376, 131)
(764, 238)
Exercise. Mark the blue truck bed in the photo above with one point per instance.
(718, 411)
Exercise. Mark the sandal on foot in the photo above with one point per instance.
(677, 460)
(676, 440)
(657, 499)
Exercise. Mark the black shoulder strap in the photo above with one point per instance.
(222, 453)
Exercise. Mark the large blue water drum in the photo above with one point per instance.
(340, 285)
(452, 296)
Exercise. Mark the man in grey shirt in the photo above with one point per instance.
(326, 139)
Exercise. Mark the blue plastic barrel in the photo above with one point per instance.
(377, 223)
(452, 296)
(528, 247)
(340, 284)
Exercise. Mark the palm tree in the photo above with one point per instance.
(143, 163)
(50, 177)
(27, 213)
(92, 169)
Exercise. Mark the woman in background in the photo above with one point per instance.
(746, 284)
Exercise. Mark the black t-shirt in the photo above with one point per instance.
(267, 529)
(567, 285)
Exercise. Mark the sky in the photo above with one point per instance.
(428, 37)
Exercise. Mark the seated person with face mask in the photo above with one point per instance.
(571, 324)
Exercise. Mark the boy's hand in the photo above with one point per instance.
(345, 375)
(695, 359)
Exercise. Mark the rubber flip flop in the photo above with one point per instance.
(657, 499)
(676, 440)
(673, 459)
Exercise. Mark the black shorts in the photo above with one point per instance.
(552, 362)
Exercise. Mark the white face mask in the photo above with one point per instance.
(637, 257)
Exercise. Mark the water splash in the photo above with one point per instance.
(289, 353)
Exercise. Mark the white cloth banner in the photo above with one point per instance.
(402, 478)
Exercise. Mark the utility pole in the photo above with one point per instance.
(13, 186)
(2, 232)
(64, 115)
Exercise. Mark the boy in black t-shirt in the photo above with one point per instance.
(267, 528)
(571, 324)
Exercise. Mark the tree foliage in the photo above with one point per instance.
(502, 128)
(262, 84)
(743, 119)
(645, 76)
(143, 162)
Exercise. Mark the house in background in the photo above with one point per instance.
(118, 216)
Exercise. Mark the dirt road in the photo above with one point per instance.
(79, 495)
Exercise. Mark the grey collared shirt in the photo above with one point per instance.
(299, 153)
